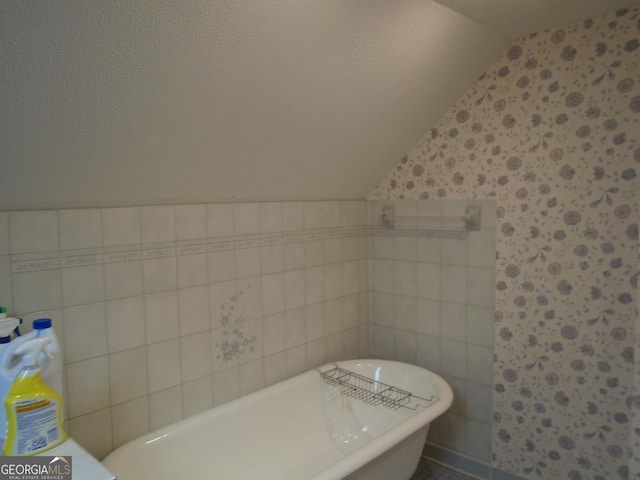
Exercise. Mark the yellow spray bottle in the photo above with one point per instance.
(34, 411)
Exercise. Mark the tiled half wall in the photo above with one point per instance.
(165, 311)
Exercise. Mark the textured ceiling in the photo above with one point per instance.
(109, 103)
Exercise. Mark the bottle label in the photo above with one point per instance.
(37, 424)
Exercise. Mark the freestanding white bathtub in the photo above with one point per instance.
(312, 426)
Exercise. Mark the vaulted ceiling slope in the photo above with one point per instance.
(110, 103)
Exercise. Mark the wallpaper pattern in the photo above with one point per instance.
(551, 132)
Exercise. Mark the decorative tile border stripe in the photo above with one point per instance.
(76, 258)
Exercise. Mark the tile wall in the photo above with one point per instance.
(165, 311)
(432, 304)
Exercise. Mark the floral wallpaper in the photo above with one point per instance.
(551, 131)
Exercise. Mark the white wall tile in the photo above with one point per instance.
(429, 250)
(314, 253)
(350, 311)
(405, 346)
(123, 279)
(481, 247)
(480, 364)
(274, 333)
(222, 303)
(316, 353)
(159, 274)
(454, 284)
(35, 231)
(405, 248)
(197, 395)
(405, 278)
(246, 217)
(429, 285)
(481, 286)
(453, 321)
(82, 285)
(130, 420)
(125, 324)
(332, 281)
(161, 316)
(195, 355)
(271, 218)
(93, 432)
(80, 229)
(453, 252)
(251, 377)
(383, 248)
(313, 215)
(6, 289)
(428, 352)
(293, 256)
(221, 266)
(226, 386)
(480, 401)
(314, 316)
(165, 407)
(158, 223)
(480, 325)
(249, 298)
(35, 291)
(192, 270)
(128, 378)
(350, 277)
(332, 250)
(478, 440)
(295, 327)
(247, 262)
(296, 360)
(383, 309)
(5, 248)
(193, 307)
(191, 222)
(272, 293)
(294, 289)
(383, 276)
(220, 220)
(275, 368)
(121, 226)
(272, 259)
(163, 360)
(331, 214)
(314, 285)
(405, 313)
(428, 317)
(453, 357)
(292, 216)
(353, 213)
(333, 316)
(88, 386)
(85, 332)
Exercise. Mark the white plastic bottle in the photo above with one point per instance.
(51, 359)
(7, 327)
(34, 411)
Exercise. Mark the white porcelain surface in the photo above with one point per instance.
(297, 429)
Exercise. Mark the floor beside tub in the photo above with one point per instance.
(433, 471)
